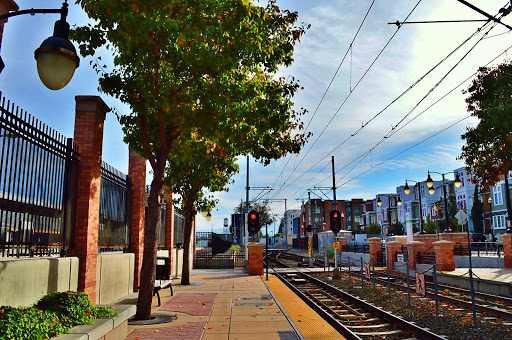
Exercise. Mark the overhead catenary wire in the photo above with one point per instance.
(340, 107)
(330, 83)
(360, 157)
(386, 107)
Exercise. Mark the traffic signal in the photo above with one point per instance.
(335, 219)
(254, 222)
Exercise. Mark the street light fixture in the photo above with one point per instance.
(379, 203)
(56, 58)
(431, 190)
(407, 191)
(208, 216)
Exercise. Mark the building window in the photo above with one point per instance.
(498, 221)
(357, 210)
(316, 210)
(357, 219)
(317, 219)
(498, 197)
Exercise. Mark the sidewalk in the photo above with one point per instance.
(219, 304)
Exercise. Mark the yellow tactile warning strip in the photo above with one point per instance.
(310, 325)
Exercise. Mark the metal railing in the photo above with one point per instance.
(479, 249)
(363, 248)
(114, 231)
(38, 176)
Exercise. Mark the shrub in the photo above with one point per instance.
(330, 253)
(74, 308)
(29, 323)
(234, 248)
(53, 315)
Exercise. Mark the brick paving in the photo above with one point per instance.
(190, 303)
(184, 331)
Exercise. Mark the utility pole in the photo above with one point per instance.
(246, 217)
(336, 271)
(309, 232)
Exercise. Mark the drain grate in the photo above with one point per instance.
(155, 319)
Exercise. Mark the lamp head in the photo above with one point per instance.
(379, 202)
(208, 216)
(407, 190)
(457, 182)
(399, 201)
(431, 190)
(430, 182)
(56, 58)
(489, 200)
(204, 213)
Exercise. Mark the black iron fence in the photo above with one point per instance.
(38, 176)
(114, 230)
(209, 257)
(363, 248)
(479, 249)
(427, 257)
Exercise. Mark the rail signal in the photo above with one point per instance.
(254, 222)
(335, 219)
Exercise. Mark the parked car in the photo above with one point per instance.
(476, 237)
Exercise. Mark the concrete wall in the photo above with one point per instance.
(24, 281)
(179, 263)
(114, 277)
(479, 262)
(354, 258)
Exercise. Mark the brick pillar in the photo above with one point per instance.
(375, 247)
(507, 249)
(137, 174)
(255, 258)
(89, 120)
(413, 248)
(6, 6)
(444, 255)
(393, 248)
(169, 227)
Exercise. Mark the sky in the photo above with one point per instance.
(388, 109)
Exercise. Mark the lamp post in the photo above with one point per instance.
(226, 228)
(56, 58)
(417, 188)
(379, 203)
(431, 190)
(489, 200)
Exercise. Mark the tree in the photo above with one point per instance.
(193, 178)
(195, 66)
(453, 209)
(263, 209)
(477, 212)
(398, 228)
(429, 227)
(488, 148)
(374, 229)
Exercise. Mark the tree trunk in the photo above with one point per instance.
(187, 242)
(147, 274)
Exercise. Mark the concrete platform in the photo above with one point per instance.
(219, 305)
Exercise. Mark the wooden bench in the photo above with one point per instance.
(158, 287)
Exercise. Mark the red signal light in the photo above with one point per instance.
(252, 216)
(335, 215)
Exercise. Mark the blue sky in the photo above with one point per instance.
(413, 51)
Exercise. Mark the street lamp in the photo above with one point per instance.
(56, 58)
(208, 216)
(379, 203)
(407, 191)
(431, 190)
(490, 218)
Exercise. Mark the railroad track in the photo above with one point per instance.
(351, 317)
(494, 305)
